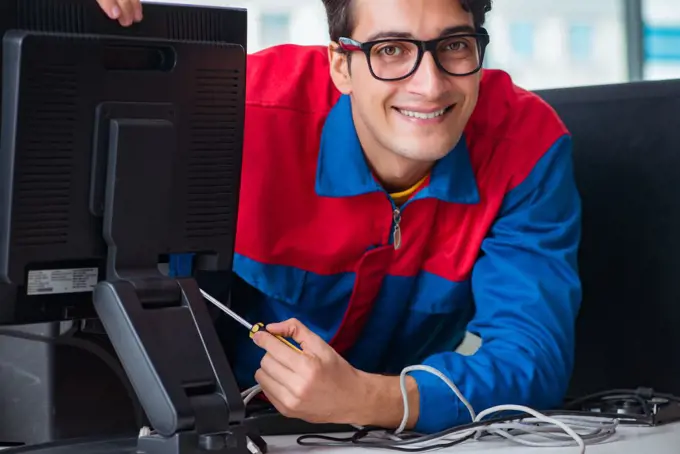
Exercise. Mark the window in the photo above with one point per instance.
(662, 44)
(661, 39)
(274, 29)
(522, 39)
(540, 43)
(570, 43)
(580, 42)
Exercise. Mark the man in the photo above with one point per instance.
(393, 205)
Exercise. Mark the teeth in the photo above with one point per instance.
(421, 115)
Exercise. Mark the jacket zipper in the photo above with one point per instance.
(396, 232)
(396, 219)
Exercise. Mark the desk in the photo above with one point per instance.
(627, 440)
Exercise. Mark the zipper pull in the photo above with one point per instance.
(396, 215)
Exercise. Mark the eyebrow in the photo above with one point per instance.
(397, 34)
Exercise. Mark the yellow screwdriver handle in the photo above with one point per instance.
(260, 327)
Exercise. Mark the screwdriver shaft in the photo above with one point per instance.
(252, 328)
(226, 310)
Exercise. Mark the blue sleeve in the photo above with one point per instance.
(180, 265)
(527, 294)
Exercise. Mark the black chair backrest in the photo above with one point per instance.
(627, 164)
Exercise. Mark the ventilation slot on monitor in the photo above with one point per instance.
(44, 155)
(52, 16)
(200, 25)
(214, 142)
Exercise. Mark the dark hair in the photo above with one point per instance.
(340, 21)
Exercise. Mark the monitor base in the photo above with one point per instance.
(119, 445)
(84, 446)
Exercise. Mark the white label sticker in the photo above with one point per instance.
(49, 282)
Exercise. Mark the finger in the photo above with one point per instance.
(276, 403)
(110, 7)
(275, 391)
(294, 329)
(280, 372)
(137, 8)
(278, 350)
(127, 12)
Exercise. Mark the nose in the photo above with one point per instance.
(427, 80)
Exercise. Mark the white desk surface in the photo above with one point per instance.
(626, 440)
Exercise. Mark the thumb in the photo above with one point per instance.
(296, 330)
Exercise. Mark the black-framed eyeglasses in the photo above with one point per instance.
(393, 59)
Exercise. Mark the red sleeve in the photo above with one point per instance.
(291, 77)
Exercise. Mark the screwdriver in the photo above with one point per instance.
(251, 328)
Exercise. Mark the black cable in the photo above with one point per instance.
(356, 438)
(94, 349)
(599, 396)
(395, 445)
(644, 393)
(423, 448)
(642, 396)
(669, 397)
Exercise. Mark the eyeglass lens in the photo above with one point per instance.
(395, 59)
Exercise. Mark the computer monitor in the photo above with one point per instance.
(50, 188)
(627, 165)
(119, 146)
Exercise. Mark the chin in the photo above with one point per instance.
(422, 149)
(421, 153)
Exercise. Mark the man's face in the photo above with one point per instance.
(422, 117)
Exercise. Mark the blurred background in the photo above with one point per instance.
(541, 43)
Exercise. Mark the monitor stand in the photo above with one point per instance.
(55, 379)
(158, 325)
(103, 446)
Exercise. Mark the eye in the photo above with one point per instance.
(389, 51)
(456, 46)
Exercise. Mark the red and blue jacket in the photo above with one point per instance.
(488, 243)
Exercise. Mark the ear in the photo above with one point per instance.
(339, 69)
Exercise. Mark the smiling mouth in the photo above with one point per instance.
(424, 115)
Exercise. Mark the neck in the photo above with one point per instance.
(395, 173)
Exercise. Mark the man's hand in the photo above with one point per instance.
(124, 11)
(319, 386)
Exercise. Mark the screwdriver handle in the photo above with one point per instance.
(260, 327)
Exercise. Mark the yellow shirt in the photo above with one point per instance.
(401, 197)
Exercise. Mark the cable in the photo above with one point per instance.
(641, 406)
(640, 395)
(595, 431)
(432, 370)
(92, 348)
(250, 393)
(531, 426)
(476, 418)
(247, 396)
(547, 429)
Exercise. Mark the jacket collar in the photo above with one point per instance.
(342, 170)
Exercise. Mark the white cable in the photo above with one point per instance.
(591, 430)
(252, 447)
(540, 417)
(432, 370)
(594, 429)
(561, 431)
(250, 393)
